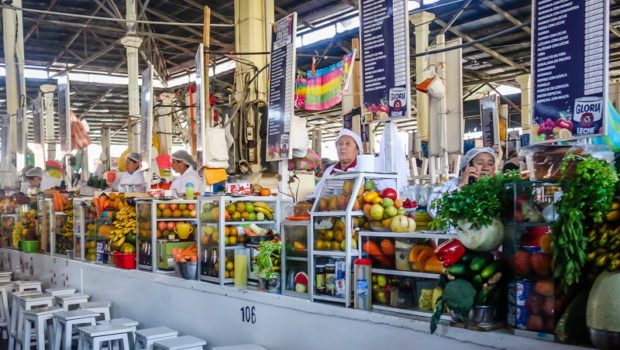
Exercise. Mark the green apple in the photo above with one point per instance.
(387, 202)
(401, 211)
(381, 281)
(391, 211)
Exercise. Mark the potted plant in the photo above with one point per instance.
(268, 266)
(474, 212)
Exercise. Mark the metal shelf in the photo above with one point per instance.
(407, 273)
(334, 253)
(295, 258)
(234, 247)
(270, 222)
(338, 213)
(328, 298)
(417, 234)
(178, 219)
(416, 312)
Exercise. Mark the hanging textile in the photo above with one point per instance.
(348, 61)
(324, 89)
(300, 93)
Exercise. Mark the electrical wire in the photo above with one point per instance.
(74, 15)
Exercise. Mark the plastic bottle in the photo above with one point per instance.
(189, 191)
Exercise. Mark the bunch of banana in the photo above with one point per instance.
(262, 207)
(68, 224)
(124, 224)
(604, 247)
(18, 232)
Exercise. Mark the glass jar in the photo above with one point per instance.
(330, 279)
(319, 273)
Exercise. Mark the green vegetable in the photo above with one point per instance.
(481, 297)
(458, 295)
(269, 251)
(477, 203)
(480, 261)
(458, 270)
(490, 269)
(467, 257)
(477, 281)
(587, 197)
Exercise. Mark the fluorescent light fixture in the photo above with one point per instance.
(348, 24)
(505, 90)
(412, 5)
(319, 34)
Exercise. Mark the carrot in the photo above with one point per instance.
(387, 247)
(371, 248)
(249, 232)
(194, 258)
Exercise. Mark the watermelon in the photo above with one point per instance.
(301, 282)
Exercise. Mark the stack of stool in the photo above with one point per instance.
(240, 347)
(92, 337)
(65, 323)
(37, 320)
(5, 276)
(69, 301)
(100, 307)
(26, 285)
(5, 289)
(186, 342)
(146, 337)
(22, 302)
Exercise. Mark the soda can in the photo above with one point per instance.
(520, 315)
(512, 315)
(522, 291)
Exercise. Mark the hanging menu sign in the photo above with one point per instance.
(37, 122)
(570, 55)
(146, 119)
(5, 126)
(281, 87)
(489, 120)
(384, 29)
(64, 119)
(21, 131)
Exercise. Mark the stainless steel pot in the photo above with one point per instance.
(605, 340)
(477, 315)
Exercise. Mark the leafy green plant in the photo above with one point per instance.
(268, 258)
(477, 203)
(587, 197)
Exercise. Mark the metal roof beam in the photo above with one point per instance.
(213, 13)
(95, 103)
(507, 16)
(481, 47)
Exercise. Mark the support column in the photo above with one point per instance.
(48, 116)
(421, 21)
(15, 83)
(132, 44)
(524, 81)
(253, 20)
(316, 141)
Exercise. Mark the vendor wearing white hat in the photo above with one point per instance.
(348, 146)
(131, 177)
(41, 180)
(476, 163)
(184, 164)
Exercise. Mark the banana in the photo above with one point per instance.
(264, 211)
(263, 205)
(120, 241)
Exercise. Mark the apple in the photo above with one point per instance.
(162, 206)
(161, 225)
(376, 212)
(171, 225)
(387, 202)
(391, 211)
(389, 193)
(182, 206)
(192, 213)
(191, 207)
(401, 211)
(173, 206)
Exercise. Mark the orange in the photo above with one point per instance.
(233, 231)
(369, 196)
(398, 203)
(177, 213)
(545, 243)
(265, 192)
(227, 231)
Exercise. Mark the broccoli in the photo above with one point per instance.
(459, 296)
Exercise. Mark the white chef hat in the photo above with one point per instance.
(356, 137)
(35, 172)
(472, 153)
(134, 156)
(184, 157)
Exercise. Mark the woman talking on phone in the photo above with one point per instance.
(476, 163)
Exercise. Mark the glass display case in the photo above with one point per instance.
(172, 224)
(527, 248)
(336, 219)
(295, 257)
(62, 239)
(92, 231)
(231, 225)
(45, 210)
(7, 221)
(405, 272)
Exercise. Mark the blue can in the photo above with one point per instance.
(521, 315)
(522, 291)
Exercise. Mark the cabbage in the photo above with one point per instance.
(484, 239)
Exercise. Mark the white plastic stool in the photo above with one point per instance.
(146, 337)
(66, 321)
(5, 276)
(5, 317)
(21, 304)
(100, 307)
(59, 291)
(91, 337)
(186, 342)
(22, 286)
(37, 320)
(5, 279)
(67, 301)
(240, 347)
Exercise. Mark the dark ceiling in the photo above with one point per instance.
(56, 41)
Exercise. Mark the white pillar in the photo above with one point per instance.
(421, 21)
(132, 43)
(48, 117)
(524, 81)
(13, 41)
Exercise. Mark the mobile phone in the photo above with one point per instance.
(471, 178)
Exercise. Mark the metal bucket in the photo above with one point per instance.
(188, 270)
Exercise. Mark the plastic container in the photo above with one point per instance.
(361, 280)
(124, 261)
(30, 246)
(189, 191)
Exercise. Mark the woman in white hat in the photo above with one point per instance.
(348, 146)
(184, 164)
(41, 179)
(476, 163)
(131, 177)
